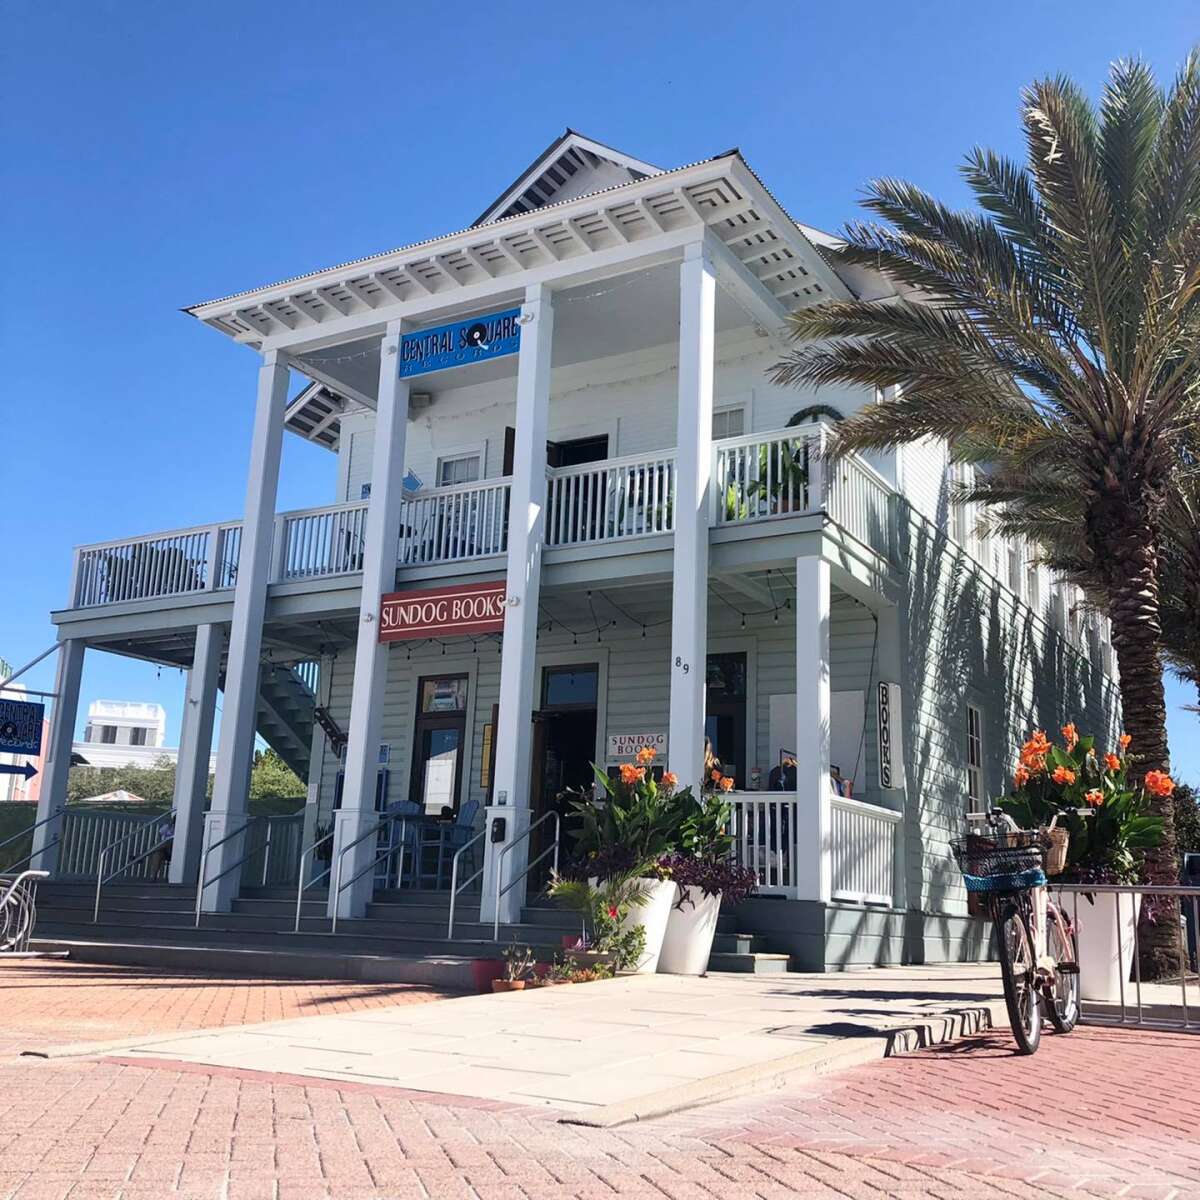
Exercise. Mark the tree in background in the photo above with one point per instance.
(1055, 336)
(272, 779)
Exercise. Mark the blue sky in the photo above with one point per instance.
(154, 155)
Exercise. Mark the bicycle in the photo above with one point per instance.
(1038, 960)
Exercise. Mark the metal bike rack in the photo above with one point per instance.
(18, 911)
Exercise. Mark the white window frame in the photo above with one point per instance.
(453, 454)
(741, 406)
(974, 758)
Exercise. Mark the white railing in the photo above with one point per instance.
(319, 541)
(86, 832)
(766, 475)
(755, 478)
(764, 839)
(454, 524)
(863, 851)
(615, 498)
(859, 499)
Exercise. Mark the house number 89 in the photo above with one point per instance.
(680, 663)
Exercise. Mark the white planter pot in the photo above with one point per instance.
(691, 926)
(1099, 935)
(653, 917)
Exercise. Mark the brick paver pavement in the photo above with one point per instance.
(53, 1001)
(1102, 1113)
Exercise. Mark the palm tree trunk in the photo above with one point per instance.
(1136, 630)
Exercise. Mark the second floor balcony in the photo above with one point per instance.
(617, 502)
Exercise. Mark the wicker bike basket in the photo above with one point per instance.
(1003, 862)
(1058, 840)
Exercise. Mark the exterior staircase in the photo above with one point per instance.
(401, 937)
(284, 715)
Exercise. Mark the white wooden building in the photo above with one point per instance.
(667, 551)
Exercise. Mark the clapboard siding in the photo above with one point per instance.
(970, 640)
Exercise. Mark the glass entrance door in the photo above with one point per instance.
(438, 739)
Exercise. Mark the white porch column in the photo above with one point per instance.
(382, 537)
(693, 465)
(195, 750)
(813, 792)
(53, 797)
(235, 750)
(514, 736)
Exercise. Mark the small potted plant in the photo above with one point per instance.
(519, 964)
(1109, 829)
(609, 937)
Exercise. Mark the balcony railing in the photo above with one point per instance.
(762, 477)
(609, 500)
(455, 524)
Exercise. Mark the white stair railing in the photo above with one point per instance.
(764, 839)
(615, 498)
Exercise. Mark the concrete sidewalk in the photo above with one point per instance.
(606, 1053)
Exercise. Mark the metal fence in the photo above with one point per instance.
(1107, 921)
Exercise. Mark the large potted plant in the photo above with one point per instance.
(627, 832)
(706, 875)
(1110, 827)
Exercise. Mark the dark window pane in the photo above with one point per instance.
(569, 685)
(444, 695)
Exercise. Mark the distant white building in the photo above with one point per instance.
(125, 733)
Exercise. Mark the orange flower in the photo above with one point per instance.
(1112, 762)
(1159, 783)
(1020, 777)
(1033, 753)
(1125, 739)
(1070, 735)
(646, 755)
(631, 774)
(715, 776)
(1063, 775)
(726, 784)
(669, 779)
(1095, 797)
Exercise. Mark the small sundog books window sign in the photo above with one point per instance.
(476, 339)
(626, 745)
(464, 610)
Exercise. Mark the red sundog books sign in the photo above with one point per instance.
(464, 609)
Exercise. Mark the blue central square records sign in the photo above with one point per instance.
(21, 727)
(461, 343)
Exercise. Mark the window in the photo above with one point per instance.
(107, 734)
(974, 759)
(459, 468)
(563, 687)
(137, 737)
(1033, 594)
(728, 422)
(1014, 567)
(438, 739)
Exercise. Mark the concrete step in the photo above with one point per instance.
(752, 964)
(740, 943)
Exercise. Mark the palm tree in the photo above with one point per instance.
(1055, 334)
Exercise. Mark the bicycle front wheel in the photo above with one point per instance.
(1063, 1007)
(1018, 966)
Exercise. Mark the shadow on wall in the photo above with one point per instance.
(967, 642)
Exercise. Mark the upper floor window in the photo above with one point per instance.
(728, 422)
(975, 797)
(1014, 567)
(137, 737)
(106, 734)
(459, 468)
(1033, 593)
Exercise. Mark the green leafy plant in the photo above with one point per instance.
(603, 908)
(1068, 781)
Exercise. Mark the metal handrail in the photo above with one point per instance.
(101, 879)
(201, 882)
(233, 867)
(455, 887)
(30, 828)
(26, 898)
(339, 886)
(125, 867)
(553, 847)
(31, 855)
(301, 885)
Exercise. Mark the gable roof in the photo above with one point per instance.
(572, 165)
